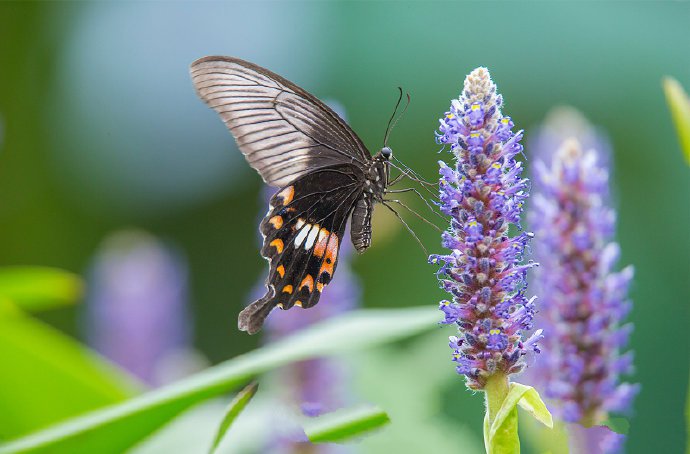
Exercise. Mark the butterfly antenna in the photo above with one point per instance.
(401, 113)
(407, 227)
(388, 128)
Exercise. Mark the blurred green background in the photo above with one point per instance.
(100, 130)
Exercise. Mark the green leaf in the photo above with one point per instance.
(531, 401)
(502, 436)
(234, 409)
(48, 377)
(679, 104)
(342, 425)
(39, 288)
(118, 427)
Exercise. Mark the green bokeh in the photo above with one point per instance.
(607, 60)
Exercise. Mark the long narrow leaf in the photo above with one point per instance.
(234, 409)
(46, 376)
(346, 424)
(117, 428)
(679, 104)
(34, 288)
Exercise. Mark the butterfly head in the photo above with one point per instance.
(385, 154)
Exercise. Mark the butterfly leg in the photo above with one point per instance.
(437, 228)
(409, 229)
(419, 194)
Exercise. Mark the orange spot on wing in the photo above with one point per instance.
(276, 222)
(287, 194)
(307, 282)
(287, 289)
(331, 255)
(278, 244)
(281, 270)
(298, 303)
(321, 243)
(320, 286)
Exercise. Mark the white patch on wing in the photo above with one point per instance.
(312, 237)
(299, 224)
(302, 235)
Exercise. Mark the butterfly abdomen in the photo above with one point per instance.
(360, 230)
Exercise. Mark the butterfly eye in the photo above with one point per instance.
(386, 152)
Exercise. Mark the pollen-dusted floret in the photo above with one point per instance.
(483, 271)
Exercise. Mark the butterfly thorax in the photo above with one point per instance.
(374, 189)
(377, 178)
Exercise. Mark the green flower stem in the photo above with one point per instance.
(496, 390)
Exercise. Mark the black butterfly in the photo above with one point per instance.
(325, 173)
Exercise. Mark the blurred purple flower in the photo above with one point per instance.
(483, 194)
(584, 301)
(593, 440)
(136, 304)
(565, 122)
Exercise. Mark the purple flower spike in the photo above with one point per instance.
(137, 307)
(483, 194)
(583, 299)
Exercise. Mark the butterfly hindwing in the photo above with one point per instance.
(303, 232)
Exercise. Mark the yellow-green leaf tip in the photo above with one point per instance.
(679, 105)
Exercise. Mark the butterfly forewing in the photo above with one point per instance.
(283, 131)
(303, 231)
